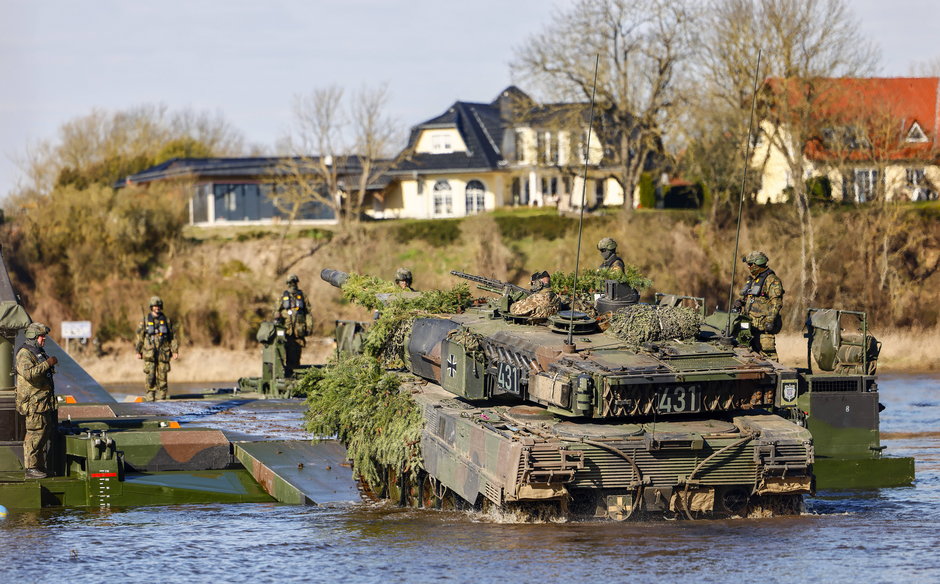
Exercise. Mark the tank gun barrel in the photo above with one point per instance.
(334, 277)
(490, 284)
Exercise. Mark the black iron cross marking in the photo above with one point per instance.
(451, 365)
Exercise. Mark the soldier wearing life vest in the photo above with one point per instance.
(156, 345)
(761, 300)
(35, 398)
(611, 261)
(293, 313)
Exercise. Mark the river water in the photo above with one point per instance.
(864, 537)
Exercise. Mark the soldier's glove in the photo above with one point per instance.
(52, 360)
(737, 306)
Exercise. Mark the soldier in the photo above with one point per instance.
(292, 313)
(761, 301)
(156, 343)
(35, 398)
(542, 303)
(403, 279)
(611, 261)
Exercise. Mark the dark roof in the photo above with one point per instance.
(244, 167)
(480, 127)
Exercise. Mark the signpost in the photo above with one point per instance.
(75, 329)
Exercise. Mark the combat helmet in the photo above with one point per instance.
(155, 301)
(758, 258)
(293, 279)
(607, 243)
(35, 330)
(403, 275)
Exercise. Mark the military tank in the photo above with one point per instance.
(557, 413)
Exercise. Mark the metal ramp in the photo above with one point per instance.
(300, 472)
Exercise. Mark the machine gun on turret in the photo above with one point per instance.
(493, 285)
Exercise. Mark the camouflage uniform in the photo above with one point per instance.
(156, 344)
(611, 261)
(35, 399)
(761, 301)
(542, 303)
(291, 312)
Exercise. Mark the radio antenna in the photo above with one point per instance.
(587, 156)
(747, 156)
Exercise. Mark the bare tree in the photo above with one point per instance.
(640, 45)
(927, 68)
(807, 40)
(102, 146)
(339, 149)
(867, 153)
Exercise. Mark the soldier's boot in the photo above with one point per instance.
(35, 473)
(768, 346)
(160, 378)
(151, 395)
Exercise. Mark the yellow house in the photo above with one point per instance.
(511, 152)
(869, 138)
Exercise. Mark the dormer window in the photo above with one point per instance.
(916, 134)
(441, 142)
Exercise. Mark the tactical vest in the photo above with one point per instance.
(755, 286)
(293, 301)
(613, 260)
(40, 354)
(157, 327)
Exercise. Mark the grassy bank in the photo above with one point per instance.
(218, 285)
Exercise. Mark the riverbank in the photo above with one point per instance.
(214, 364)
(902, 352)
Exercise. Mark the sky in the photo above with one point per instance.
(246, 60)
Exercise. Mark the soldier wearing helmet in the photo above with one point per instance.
(293, 313)
(611, 261)
(542, 303)
(403, 279)
(761, 300)
(156, 345)
(35, 398)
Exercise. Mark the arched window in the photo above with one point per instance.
(443, 198)
(475, 197)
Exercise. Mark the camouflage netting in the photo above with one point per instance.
(593, 280)
(361, 404)
(470, 341)
(357, 400)
(643, 323)
(385, 339)
(364, 290)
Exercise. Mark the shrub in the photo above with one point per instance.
(548, 226)
(647, 191)
(436, 232)
(819, 189)
(316, 234)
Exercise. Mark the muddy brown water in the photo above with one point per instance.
(887, 535)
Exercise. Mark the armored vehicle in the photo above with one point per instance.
(516, 414)
(275, 380)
